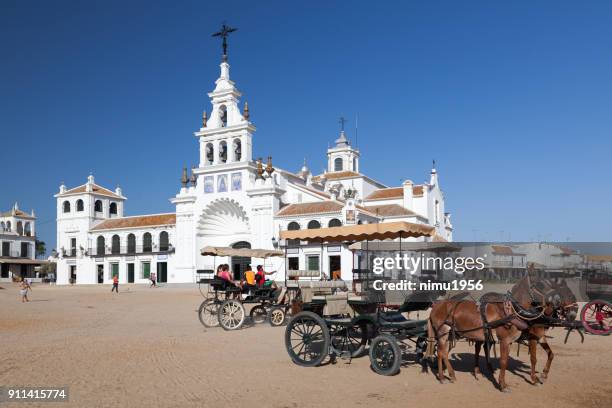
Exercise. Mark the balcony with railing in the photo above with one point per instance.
(130, 250)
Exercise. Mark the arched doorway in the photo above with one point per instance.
(238, 264)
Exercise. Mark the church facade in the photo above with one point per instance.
(234, 199)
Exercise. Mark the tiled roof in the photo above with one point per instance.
(337, 175)
(599, 258)
(18, 213)
(95, 189)
(385, 193)
(390, 210)
(310, 208)
(502, 250)
(394, 192)
(136, 222)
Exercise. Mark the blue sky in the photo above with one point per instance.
(512, 99)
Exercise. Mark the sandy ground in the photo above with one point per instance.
(146, 347)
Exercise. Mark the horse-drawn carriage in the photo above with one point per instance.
(329, 326)
(224, 302)
(596, 315)
(343, 324)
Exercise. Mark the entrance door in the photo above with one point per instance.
(100, 273)
(162, 272)
(239, 264)
(130, 268)
(114, 270)
(73, 277)
(334, 266)
(4, 268)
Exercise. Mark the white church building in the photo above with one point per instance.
(233, 199)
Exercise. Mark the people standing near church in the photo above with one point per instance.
(153, 279)
(115, 284)
(24, 287)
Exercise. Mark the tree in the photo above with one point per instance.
(41, 248)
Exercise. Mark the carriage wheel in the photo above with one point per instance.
(349, 340)
(231, 314)
(258, 314)
(307, 339)
(207, 313)
(277, 316)
(385, 355)
(596, 317)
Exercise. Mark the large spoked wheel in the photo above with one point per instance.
(349, 341)
(596, 317)
(277, 316)
(307, 339)
(207, 313)
(231, 314)
(258, 314)
(385, 355)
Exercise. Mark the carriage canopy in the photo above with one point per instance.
(246, 252)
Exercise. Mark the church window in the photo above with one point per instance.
(313, 262)
(338, 164)
(236, 181)
(19, 228)
(293, 226)
(437, 212)
(100, 244)
(334, 222)
(131, 244)
(2, 226)
(209, 184)
(223, 152)
(27, 229)
(314, 224)
(112, 209)
(210, 153)
(294, 263)
(164, 242)
(222, 183)
(8, 226)
(223, 115)
(115, 245)
(66, 206)
(79, 205)
(147, 242)
(237, 150)
(98, 206)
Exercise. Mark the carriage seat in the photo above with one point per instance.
(404, 324)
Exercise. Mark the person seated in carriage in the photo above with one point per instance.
(224, 273)
(249, 284)
(262, 282)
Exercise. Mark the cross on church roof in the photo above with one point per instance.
(342, 121)
(223, 33)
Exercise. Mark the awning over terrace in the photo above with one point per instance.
(246, 252)
(363, 232)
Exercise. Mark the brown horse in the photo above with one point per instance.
(559, 301)
(452, 319)
(554, 300)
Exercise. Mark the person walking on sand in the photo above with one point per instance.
(23, 290)
(153, 283)
(115, 284)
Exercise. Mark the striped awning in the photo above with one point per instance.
(362, 232)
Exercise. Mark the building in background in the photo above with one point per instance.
(234, 199)
(18, 244)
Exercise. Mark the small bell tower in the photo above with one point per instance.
(342, 157)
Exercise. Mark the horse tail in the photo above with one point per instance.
(431, 339)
